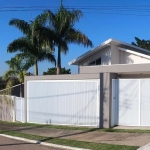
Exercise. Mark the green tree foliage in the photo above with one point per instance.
(17, 69)
(142, 43)
(2, 83)
(53, 71)
(34, 45)
(61, 30)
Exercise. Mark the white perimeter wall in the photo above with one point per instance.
(19, 109)
(70, 102)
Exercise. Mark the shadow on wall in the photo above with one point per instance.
(127, 92)
(59, 113)
(129, 60)
(104, 86)
(72, 103)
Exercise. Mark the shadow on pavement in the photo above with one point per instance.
(10, 128)
(15, 144)
(50, 138)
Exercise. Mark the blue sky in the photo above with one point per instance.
(103, 19)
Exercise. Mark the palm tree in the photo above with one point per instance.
(61, 30)
(17, 69)
(31, 52)
(33, 44)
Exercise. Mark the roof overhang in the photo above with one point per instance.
(85, 55)
(133, 52)
(104, 44)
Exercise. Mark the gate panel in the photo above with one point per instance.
(133, 102)
(19, 108)
(145, 102)
(63, 102)
(128, 102)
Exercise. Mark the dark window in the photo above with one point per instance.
(96, 62)
(92, 63)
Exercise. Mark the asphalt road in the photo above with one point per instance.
(10, 144)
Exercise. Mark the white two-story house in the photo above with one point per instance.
(113, 52)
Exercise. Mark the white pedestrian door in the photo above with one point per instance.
(131, 102)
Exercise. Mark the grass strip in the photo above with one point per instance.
(72, 143)
(74, 128)
(47, 126)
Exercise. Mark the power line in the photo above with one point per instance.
(82, 7)
(86, 9)
(89, 7)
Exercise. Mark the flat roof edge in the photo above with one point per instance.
(64, 77)
(116, 68)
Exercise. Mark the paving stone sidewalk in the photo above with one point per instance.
(131, 139)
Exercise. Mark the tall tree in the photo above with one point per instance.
(53, 71)
(30, 52)
(142, 43)
(17, 69)
(61, 30)
(33, 44)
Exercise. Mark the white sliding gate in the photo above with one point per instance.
(131, 102)
(68, 102)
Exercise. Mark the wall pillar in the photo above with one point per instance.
(106, 98)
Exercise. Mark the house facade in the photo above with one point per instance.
(111, 88)
(113, 52)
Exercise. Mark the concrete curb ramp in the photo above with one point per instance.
(42, 143)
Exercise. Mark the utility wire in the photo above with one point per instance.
(80, 7)
(109, 10)
(85, 7)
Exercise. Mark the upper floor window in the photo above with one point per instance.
(95, 62)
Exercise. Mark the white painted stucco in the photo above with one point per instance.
(113, 55)
(128, 58)
(104, 54)
(110, 54)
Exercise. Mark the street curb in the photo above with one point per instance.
(145, 147)
(42, 143)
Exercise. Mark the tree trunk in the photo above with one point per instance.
(21, 90)
(36, 68)
(59, 61)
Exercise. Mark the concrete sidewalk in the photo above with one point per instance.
(131, 139)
